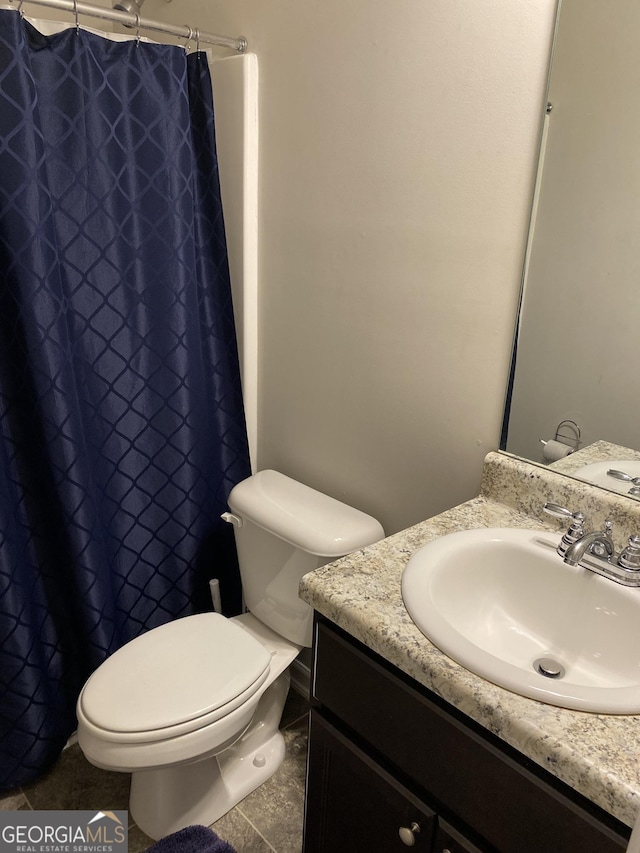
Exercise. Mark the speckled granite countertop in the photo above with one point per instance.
(597, 755)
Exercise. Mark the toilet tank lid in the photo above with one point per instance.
(302, 516)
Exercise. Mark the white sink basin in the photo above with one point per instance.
(596, 473)
(498, 600)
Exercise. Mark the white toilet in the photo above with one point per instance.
(192, 708)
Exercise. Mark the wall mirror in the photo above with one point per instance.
(575, 371)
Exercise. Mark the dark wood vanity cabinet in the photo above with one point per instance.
(358, 805)
(391, 765)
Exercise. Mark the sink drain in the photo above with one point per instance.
(549, 667)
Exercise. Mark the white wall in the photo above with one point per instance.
(397, 150)
(36, 12)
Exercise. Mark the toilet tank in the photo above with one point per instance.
(283, 530)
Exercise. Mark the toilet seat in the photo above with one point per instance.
(173, 680)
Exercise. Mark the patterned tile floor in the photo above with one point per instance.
(269, 820)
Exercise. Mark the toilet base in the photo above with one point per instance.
(165, 800)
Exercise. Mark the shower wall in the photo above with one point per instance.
(235, 83)
(397, 151)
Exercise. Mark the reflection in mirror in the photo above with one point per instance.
(604, 464)
(579, 324)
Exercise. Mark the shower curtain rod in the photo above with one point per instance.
(76, 7)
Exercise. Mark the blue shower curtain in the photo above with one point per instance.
(122, 426)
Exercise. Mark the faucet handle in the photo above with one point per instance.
(575, 530)
(561, 512)
(630, 557)
(622, 475)
(627, 478)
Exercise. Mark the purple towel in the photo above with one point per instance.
(192, 839)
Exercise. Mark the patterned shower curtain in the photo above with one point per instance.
(121, 420)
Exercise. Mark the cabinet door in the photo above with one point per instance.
(449, 840)
(353, 804)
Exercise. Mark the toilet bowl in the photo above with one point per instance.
(191, 709)
(168, 723)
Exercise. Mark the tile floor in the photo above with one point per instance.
(269, 820)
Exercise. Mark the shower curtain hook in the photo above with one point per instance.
(137, 29)
(197, 40)
(20, 5)
(75, 12)
(189, 37)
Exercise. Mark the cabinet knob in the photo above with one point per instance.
(408, 834)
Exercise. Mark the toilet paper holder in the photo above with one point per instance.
(573, 436)
(568, 434)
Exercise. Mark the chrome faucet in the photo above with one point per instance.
(598, 544)
(595, 551)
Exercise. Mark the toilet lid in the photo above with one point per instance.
(173, 674)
